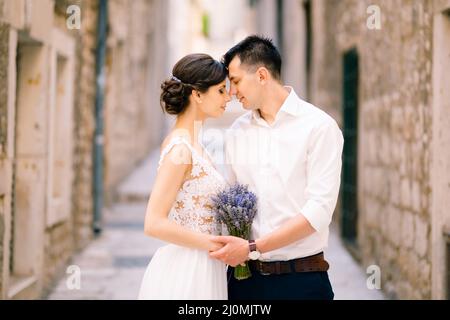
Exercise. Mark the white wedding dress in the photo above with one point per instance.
(181, 273)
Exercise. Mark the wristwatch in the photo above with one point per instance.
(253, 254)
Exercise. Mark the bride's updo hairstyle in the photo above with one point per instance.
(196, 71)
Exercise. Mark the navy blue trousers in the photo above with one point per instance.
(290, 286)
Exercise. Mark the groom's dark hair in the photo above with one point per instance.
(254, 52)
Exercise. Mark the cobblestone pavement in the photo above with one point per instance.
(347, 277)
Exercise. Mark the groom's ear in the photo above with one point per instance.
(262, 74)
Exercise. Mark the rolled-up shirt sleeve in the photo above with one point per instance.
(323, 174)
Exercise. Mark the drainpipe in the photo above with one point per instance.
(99, 98)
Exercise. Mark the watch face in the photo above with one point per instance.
(254, 255)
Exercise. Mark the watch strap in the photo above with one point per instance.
(252, 245)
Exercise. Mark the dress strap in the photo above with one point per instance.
(173, 142)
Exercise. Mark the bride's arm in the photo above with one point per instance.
(167, 183)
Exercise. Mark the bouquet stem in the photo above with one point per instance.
(242, 272)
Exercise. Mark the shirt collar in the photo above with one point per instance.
(290, 106)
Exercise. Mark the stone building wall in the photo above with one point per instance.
(46, 179)
(84, 126)
(395, 129)
(38, 234)
(135, 68)
(3, 139)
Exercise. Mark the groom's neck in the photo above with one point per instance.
(272, 102)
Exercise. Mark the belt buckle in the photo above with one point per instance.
(260, 267)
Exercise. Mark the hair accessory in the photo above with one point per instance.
(176, 79)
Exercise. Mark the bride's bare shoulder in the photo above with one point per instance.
(179, 153)
(173, 135)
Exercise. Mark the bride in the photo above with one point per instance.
(178, 210)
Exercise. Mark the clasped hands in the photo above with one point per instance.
(234, 250)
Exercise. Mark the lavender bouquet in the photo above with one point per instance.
(236, 207)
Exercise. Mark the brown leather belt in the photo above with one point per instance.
(306, 264)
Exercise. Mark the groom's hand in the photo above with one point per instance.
(234, 251)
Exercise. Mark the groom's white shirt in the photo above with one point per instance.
(293, 166)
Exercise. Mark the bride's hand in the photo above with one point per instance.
(214, 246)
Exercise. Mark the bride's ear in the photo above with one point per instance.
(196, 96)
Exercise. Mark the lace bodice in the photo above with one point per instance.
(192, 206)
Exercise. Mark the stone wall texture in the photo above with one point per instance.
(395, 92)
(132, 127)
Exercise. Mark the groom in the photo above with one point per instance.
(289, 153)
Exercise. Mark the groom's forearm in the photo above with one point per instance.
(292, 230)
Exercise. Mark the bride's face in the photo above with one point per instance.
(213, 102)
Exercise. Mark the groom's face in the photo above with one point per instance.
(243, 84)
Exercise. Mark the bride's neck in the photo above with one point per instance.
(189, 124)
